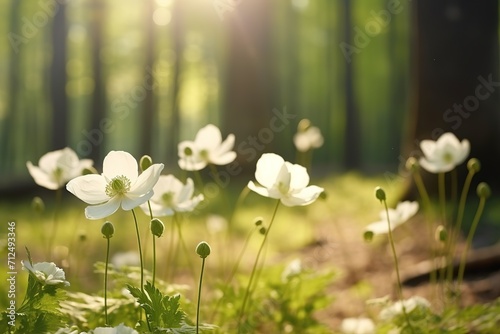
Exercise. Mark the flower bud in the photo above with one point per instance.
(323, 195)
(89, 170)
(368, 236)
(258, 221)
(203, 249)
(483, 190)
(303, 125)
(380, 194)
(157, 227)
(473, 165)
(262, 230)
(412, 164)
(82, 236)
(107, 230)
(38, 205)
(441, 234)
(145, 162)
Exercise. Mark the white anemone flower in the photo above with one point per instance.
(119, 185)
(357, 326)
(308, 139)
(57, 167)
(46, 273)
(398, 216)
(293, 269)
(120, 329)
(409, 305)
(283, 180)
(444, 154)
(171, 195)
(207, 148)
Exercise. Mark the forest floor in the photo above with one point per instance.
(366, 270)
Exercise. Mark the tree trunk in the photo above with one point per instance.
(148, 108)
(98, 104)
(249, 112)
(456, 80)
(58, 79)
(16, 42)
(352, 131)
(178, 40)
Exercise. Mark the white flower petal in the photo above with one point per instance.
(223, 159)
(407, 210)
(82, 164)
(118, 163)
(41, 177)
(189, 205)
(357, 326)
(268, 168)
(208, 137)
(102, 210)
(428, 147)
(260, 190)
(464, 151)
(146, 181)
(131, 202)
(192, 164)
(184, 192)
(48, 162)
(380, 227)
(160, 210)
(299, 176)
(305, 197)
(225, 147)
(89, 188)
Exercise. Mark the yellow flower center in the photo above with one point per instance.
(204, 154)
(58, 173)
(283, 188)
(118, 186)
(167, 199)
(448, 157)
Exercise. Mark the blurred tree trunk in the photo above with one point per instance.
(398, 83)
(248, 102)
(98, 104)
(58, 79)
(6, 145)
(456, 79)
(148, 107)
(178, 41)
(352, 131)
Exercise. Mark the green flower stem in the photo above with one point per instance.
(199, 295)
(442, 204)
(154, 245)
(183, 244)
(430, 218)
(171, 255)
(396, 266)
(458, 225)
(154, 260)
(55, 222)
(197, 177)
(241, 197)
(215, 173)
(140, 249)
(442, 196)
(106, 283)
(250, 282)
(468, 242)
(232, 273)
